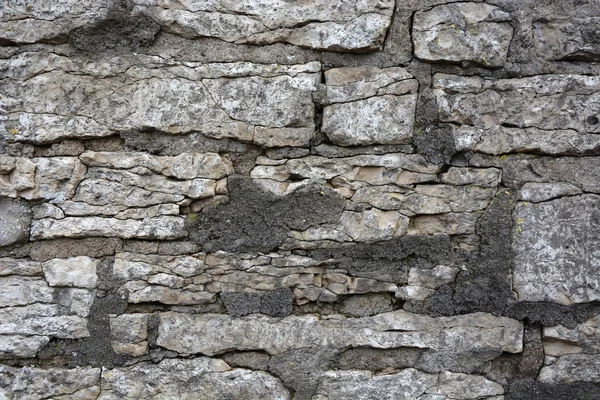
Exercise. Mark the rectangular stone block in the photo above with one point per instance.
(181, 332)
(218, 100)
(556, 247)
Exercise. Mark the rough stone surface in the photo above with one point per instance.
(301, 200)
(549, 236)
(456, 32)
(15, 218)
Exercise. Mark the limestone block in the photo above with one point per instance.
(355, 26)
(471, 332)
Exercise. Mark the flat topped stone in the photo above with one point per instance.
(457, 32)
(338, 25)
(556, 248)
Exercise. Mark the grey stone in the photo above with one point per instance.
(178, 332)
(200, 378)
(19, 346)
(384, 119)
(531, 102)
(72, 272)
(547, 237)
(129, 334)
(34, 383)
(572, 368)
(201, 98)
(457, 32)
(163, 227)
(15, 218)
(360, 26)
(538, 192)
(573, 39)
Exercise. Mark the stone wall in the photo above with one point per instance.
(318, 199)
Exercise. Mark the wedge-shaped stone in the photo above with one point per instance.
(457, 32)
(15, 218)
(201, 378)
(36, 383)
(164, 227)
(24, 23)
(358, 25)
(556, 247)
(560, 103)
(180, 332)
(572, 39)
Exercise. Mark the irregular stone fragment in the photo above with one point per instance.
(584, 337)
(457, 32)
(178, 332)
(200, 378)
(72, 272)
(36, 383)
(47, 210)
(15, 218)
(56, 178)
(574, 39)
(572, 368)
(22, 23)
(555, 247)
(384, 119)
(42, 319)
(19, 176)
(334, 26)
(163, 227)
(449, 224)
(18, 346)
(538, 192)
(129, 333)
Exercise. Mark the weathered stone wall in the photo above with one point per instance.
(284, 199)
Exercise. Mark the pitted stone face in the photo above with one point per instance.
(556, 250)
(15, 218)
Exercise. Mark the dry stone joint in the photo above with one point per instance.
(300, 200)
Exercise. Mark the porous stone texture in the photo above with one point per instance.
(300, 200)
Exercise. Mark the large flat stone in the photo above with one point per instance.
(218, 100)
(219, 333)
(556, 250)
(406, 384)
(201, 378)
(548, 114)
(354, 26)
(457, 32)
(163, 227)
